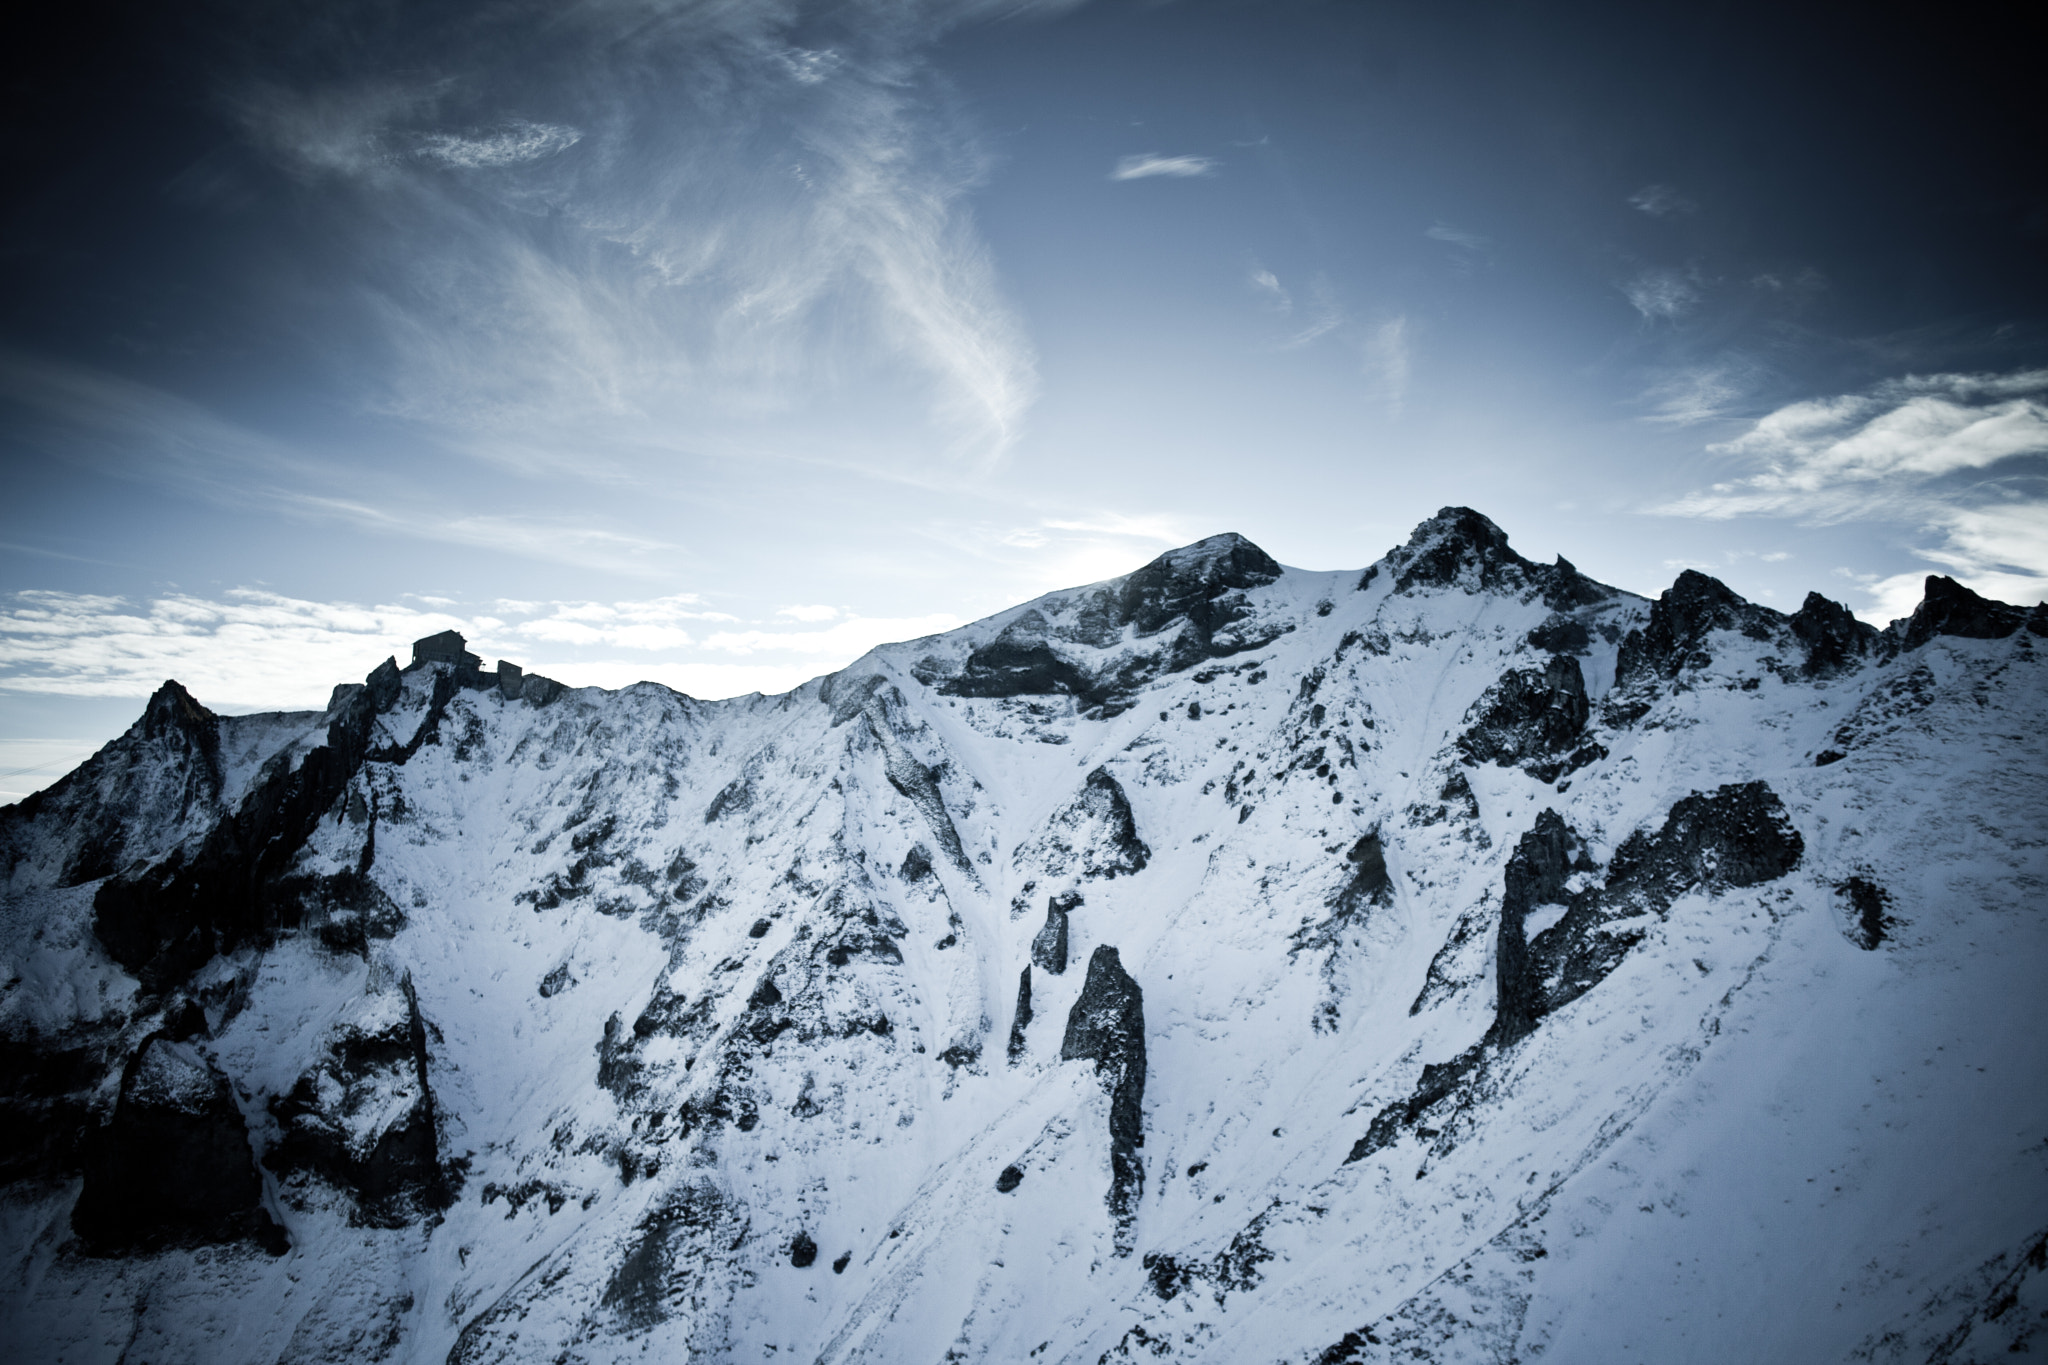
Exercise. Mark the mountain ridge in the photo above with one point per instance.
(564, 1023)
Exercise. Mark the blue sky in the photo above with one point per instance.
(714, 342)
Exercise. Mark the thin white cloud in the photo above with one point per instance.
(808, 613)
(1661, 201)
(1956, 455)
(766, 228)
(251, 649)
(146, 434)
(1458, 237)
(1388, 362)
(1145, 165)
(1700, 393)
(1267, 283)
(1662, 294)
(808, 67)
(510, 145)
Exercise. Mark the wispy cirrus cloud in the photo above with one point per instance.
(511, 145)
(1388, 361)
(1963, 458)
(1662, 294)
(1704, 392)
(1661, 201)
(1458, 237)
(1146, 165)
(141, 432)
(671, 217)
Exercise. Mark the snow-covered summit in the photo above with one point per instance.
(1456, 959)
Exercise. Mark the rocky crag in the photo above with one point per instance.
(1457, 960)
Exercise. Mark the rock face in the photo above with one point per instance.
(173, 1167)
(1535, 719)
(1049, 949)
(363, 1119)
(1949, 608)
(1736, 836)
(1091, 838)
(1681, 622)
(1476, 905)
(1188, 605)
(1107, 1026)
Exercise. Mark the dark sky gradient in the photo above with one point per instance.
(712, 342)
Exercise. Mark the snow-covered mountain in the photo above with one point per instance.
(1454, 961)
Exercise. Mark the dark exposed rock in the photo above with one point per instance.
(1367, 887)
(1196, 592)
(1193, 584)
(1681, 619)
(1107, 1026)
(1561, 634)
(1738, 835)
(1949, 608)
(384, 684)
(1023, 661)
(158, 780)
(1049, 948)
(802, 1250)
(674, 1248)
(394, 1175)
(1093, 836)
(1534, 718)
(1022, 1019)
(1457, 546)
(1870, 904)
(164, 923)
(539, 691)
(1734, 836)
(1460, 548)
(1010, 1179)
(1835, 640)
(1536, 874)
(912, 779)
(917, 864)
(173, 1167)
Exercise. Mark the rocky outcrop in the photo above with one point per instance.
(1681, 619)
(1366, 887)
(1538, 873)
(1535, 719)
(165, 922)
(173, 1166)
(363, 1119)
(1459, 548)
(1049, 946)
(1949, 608)
(1190, 601)
(1092, 837)
(1869, 911)
(1107, 1026)
(1736, 836)
(141, 794)
(1834, 639)
(1021, 1020)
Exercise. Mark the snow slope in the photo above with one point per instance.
(573, 1025)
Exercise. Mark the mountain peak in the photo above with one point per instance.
(173, 710)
